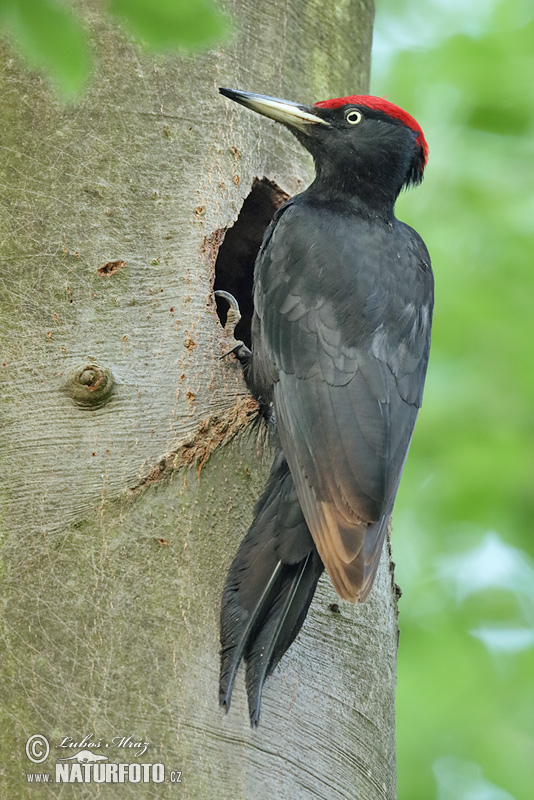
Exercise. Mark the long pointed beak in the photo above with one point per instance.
(293, 115)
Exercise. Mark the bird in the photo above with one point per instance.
(340, 338)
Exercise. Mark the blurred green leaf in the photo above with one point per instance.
(506, 120)
(165, 24)
(466, 659)
(50, 38)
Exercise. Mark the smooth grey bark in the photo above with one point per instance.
(119, 518)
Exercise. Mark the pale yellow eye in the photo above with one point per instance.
(353, 117)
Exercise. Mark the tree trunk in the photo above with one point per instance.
(129, 467)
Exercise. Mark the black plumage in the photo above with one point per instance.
(269, 588)
(343, 297)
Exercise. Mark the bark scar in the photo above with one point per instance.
(213, 432)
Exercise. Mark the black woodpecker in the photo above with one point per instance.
(343, 298)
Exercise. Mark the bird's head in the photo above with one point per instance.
(362, 145)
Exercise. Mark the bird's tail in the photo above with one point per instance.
(268, 590)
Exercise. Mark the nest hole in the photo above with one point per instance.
(234, 267)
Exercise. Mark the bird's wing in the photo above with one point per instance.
(349, 343)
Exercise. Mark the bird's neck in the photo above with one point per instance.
(371, 195)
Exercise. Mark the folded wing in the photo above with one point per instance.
(350, 370)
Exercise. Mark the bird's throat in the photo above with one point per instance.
(365, 193)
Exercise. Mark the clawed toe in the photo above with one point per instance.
(238, 348)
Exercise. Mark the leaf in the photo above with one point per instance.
(166, 24)
(50, 38)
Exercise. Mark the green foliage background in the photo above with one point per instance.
(463, 523)
(52, 38)
(464, 514)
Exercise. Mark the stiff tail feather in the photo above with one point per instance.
(269, 588)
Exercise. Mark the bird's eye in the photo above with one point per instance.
(353, 117)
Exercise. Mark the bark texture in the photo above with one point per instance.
(129, 469)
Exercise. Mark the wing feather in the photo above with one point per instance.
(348, 339)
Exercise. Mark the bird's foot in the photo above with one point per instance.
(238, 348)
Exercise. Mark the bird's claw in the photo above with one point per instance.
(238, 348)
(233, 315)
(230, 299)
(240, 351)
